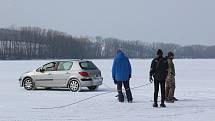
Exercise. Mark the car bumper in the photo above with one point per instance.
(91, 82)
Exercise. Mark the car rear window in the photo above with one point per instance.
(87, 65)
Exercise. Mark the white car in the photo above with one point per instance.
(72, 74)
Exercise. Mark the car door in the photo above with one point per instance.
(62, 74)
(44, 77)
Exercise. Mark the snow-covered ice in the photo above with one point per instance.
(194, 87)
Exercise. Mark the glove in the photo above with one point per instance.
(151, 79)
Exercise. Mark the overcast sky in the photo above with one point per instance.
(176, 21)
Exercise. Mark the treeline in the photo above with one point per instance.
(37, 43)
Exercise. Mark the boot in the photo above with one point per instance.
(130, 101)
(162, 105)
(175, 99)
(170, 101)
(121, 97)
(155, 104)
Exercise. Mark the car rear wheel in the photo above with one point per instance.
(74, 86)
(92, 87)
(28, 84)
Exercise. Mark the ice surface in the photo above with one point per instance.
(194, 87)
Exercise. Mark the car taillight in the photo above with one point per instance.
(83, 73)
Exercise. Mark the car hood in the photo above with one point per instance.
(27, 73)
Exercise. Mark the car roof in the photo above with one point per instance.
(72, 60)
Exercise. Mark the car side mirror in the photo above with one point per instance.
(42, 70)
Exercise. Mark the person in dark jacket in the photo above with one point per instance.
(159, 70)
(121, 74)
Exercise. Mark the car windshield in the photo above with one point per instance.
(39, 69)
(87, 65)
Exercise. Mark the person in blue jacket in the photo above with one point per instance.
(121, 73)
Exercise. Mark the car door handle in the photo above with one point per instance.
(49, 73)
(68, 73)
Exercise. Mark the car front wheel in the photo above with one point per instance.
(74, 86)
(92, 87)
(28, 84)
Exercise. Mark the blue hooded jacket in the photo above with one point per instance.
(121, 69)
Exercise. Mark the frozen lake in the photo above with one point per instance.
(194, 87)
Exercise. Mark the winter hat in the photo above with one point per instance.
(159, 52)
(170, 54)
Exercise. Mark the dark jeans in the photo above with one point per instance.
(127, 90)
(156, 90)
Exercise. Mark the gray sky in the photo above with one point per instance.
(176, 21)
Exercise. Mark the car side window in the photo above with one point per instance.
(50, 66)
(63, 66)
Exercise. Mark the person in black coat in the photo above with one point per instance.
(159, 71)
